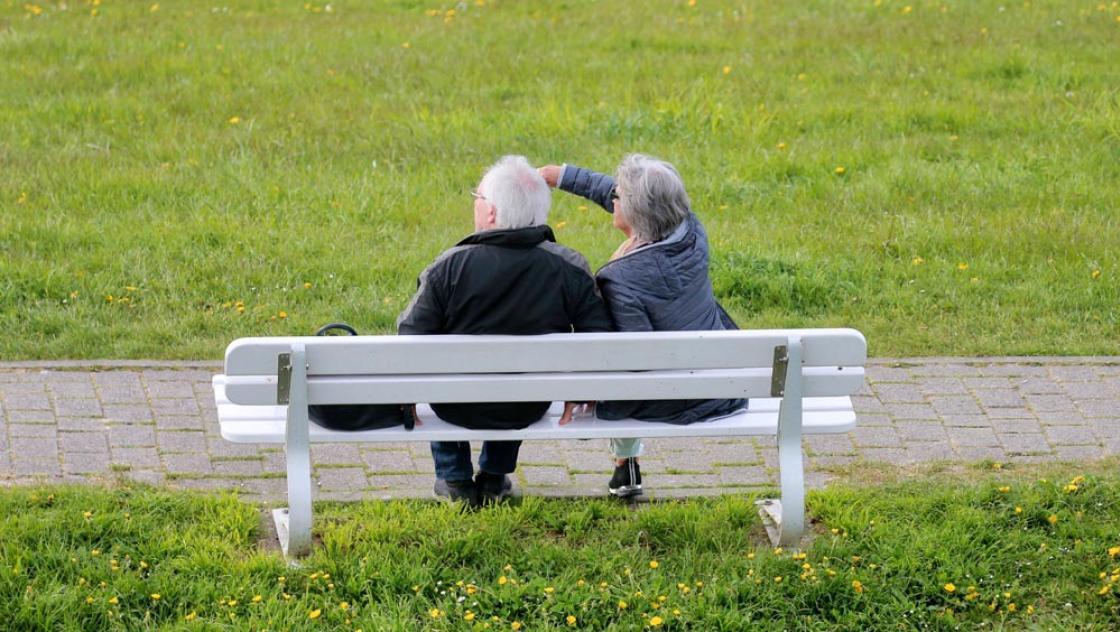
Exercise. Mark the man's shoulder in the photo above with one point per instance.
(566, 254)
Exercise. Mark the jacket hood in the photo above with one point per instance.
(527, 237)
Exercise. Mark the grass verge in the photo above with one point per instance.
(991, 549)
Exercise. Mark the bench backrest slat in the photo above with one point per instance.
(587, 386)
(403, 355)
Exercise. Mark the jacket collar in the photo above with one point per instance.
(527, 237)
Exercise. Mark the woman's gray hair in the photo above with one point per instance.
(519, 194)
(652, 198)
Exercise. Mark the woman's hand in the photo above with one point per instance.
(576, 409)
(551, 175)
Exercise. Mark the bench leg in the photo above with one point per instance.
(293, 525)
(785, 519)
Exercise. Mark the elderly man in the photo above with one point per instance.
(508, 277)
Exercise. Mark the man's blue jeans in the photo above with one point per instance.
(453, 458)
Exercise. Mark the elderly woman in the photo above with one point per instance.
(657, 280)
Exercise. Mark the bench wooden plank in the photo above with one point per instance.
(597, 352)
(586, 386)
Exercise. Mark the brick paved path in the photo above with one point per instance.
(155, 422)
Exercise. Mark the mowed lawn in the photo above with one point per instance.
(942, 175)
(974, 550)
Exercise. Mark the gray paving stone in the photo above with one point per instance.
(45, 466)
(944, 370)
(72, 390)
(273, 462)
(943, 386)
(867, 405)
(545, 475)
(999, 398)
(1004, 383)
(85, 462)
(965, 421)
(921, 431)
(1016, 426)
(1038, 386)
(188, 463)
(1106, 428)
(1011, 413)
(403, 481)
(273, 488)
(175, 406)
(735, 454)
(128, 413)
(973, 437)
(899, 393)
(1070, 435)
(894, 456)
(147, 477)
(170, 390)
(1062, 418)
(831, 460)
(179, 422)
(1016, 370)
(1078, 453)
(206, 484)
(132, 435)
(537, 452)
(81, 424)
(84, 442)
(877, 373)
(31, 416)
(341, 478)
(665, 481)
(971, 453)
(1025, 444)
(911, 411)
(1099, 407)
(1078, 391)
(955, 405)
(832, 444)
(42, 431)
(249, 467)
(745, 476)
(873, 420)
(67, 407)
(1055, 403)
(1072, 373)
(34, 448)
(389, 461)
(925, 452)
(180, 441)
(136, 458)
(219, 447)
(28, 401)
(877, 437)
(336, 454)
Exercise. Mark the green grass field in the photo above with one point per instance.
(1005, 551)
(942, 175)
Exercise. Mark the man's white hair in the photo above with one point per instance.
(519, 194)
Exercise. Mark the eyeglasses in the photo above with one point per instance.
(614, 194)
(476, 195)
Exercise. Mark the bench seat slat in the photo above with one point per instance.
(402, 355)
(265, 424)
(706, 384)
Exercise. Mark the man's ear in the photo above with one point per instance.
(491, 214)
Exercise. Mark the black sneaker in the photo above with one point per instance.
(464, 491)
(493, 488)
(627, 479)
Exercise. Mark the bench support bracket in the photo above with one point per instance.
(293, 525)
(785, 519)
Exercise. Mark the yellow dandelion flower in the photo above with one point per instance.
(950, 587)
(503, 580)
(154, 596)
(114, 600)
(95, 552)
(153, 8)
(549, 590)
(89, 600)
(434, 613)
(1114, 551)
(997, 465)
(962, 266)
(307, 285)
(108, 298)
(314, 614)
(581, 583)
(234, 120)
(282, 314)
(516, 625)
(1018, 510)
(691, 3)
(570, 619)
(231, 603)
(1052, 519)
(560, 225)
(653, 564)
(907, 9)
(1030, 609)
(468, 616)
(727, 70)
(1096, 274)
(1104, 590)
(954, 138)
(1004, 489)
(22, 199)
(406, 45)
(655, 621)
(781, 146)
(750, 556)
(257, 598)
(839, 171)
(857, 586)
(778, 579)
(191, 617)
(622, 605)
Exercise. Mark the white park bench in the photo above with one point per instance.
(798, 381)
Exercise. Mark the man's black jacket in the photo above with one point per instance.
(516, 281)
